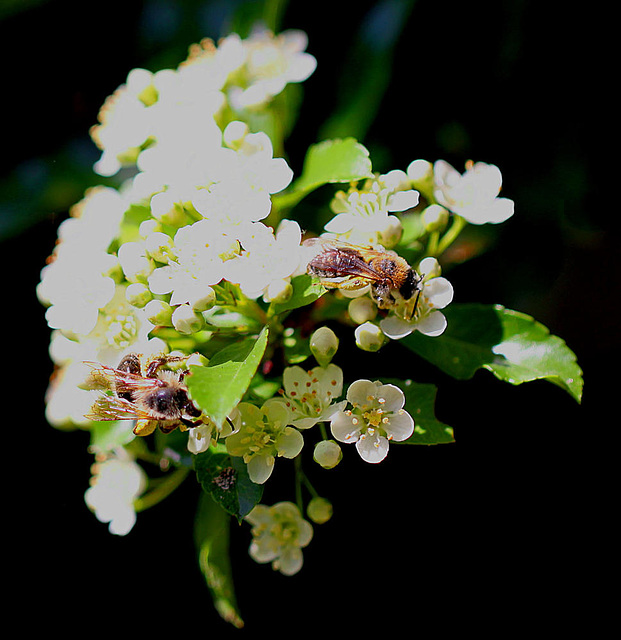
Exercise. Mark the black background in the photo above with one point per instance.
(478, 535)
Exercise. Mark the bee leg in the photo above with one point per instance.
(156, 363)
(381, 294)
(144, 427)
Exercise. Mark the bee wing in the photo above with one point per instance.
(331, 253)
(111, 379)
(114, 408)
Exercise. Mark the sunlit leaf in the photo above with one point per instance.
(218, 387)
(512, 345)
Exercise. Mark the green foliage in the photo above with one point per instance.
(225, 478)
(512, 345)
(218, 388)
(211, 537)
(328, 162)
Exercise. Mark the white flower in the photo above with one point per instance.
(377, 417)
(279, 533)
(363, 215)
(125, 121)
(268, 260)
(196, 262)
(472, 195)
(271, 63)
(422, 312)
(264, 434)
(116, 483)
(310, 395)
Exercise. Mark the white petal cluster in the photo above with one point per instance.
(472, 195)
(364, 215)
(116, 483)
(279, 533)
(376, 417)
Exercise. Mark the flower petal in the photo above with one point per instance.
(372, 448)
(432, 325)
(289, 443)
(400, 426)
(260, 468)
(343, 427)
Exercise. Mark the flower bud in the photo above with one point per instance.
(323, 345)
(158, 245)
(159, 313)
(392, 231)
(138, 294)
(319, 510)
(420, 172)
(135, 264)
(369, 337)
(205, 301)
(435, 217)
(186, 320)
(278, 291)
(362, 310)
(327, 454)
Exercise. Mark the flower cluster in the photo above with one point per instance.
(194, 263)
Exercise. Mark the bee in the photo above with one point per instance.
(341, 265)
(157, 397)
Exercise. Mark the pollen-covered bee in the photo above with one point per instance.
(145, 392)
(341, 265)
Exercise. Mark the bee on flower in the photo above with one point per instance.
(377, 416)
(423, 313)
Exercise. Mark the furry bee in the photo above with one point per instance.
(341, 265)
(156, 398)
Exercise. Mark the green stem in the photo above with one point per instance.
(163, 490)
(450, 236)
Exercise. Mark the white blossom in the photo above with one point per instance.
(279, 533)
(116, 483)
(377, 417)
(472, 195)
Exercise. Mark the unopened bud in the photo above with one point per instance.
(362, 309)
(138, 294)
(319, 510)
(327, 454)
(369, 337)
(159, 312)
(323, 345)
(435, 217)
(186, 320)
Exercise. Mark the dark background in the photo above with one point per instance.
(475, 535)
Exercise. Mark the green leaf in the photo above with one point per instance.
(420, 402)
(306, 290)
(330, 161)
(512, 345)
(225, 478)
(218, 387)
(211, 536)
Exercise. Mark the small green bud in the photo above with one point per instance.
(319, 510)
(327, 454)
(323, 345)
(186, 320)
(369, 337)
(159, 312)
(138, 294)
